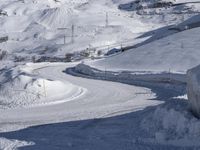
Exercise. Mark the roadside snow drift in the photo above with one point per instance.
(193, 89)
(6, 144)
(25, 89)
(172, 124)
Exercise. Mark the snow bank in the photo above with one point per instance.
(6, 144)
(84, 69)
(165, 77)
(172, 124)
(193, 89)
(25, 88)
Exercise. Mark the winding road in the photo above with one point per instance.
(98, 99)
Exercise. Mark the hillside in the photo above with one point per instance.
(44, 28)
(178, 53)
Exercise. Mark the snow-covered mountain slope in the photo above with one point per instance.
(176, 53)
(36, 27)
(32, 26)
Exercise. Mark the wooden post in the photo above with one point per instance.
(45, 94)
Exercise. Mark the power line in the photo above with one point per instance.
(64, 34)
(72, 33)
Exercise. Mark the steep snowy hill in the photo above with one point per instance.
(36, 28)
(57, 17)
(177, 53)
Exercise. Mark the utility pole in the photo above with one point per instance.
(170, 78)
(64, 39)
(106, 19)
(183, 18)
(105, 73)
(163, 17)
(45, 93)
(72, 40)
(72, 36)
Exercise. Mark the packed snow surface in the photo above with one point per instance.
(100, 99)
(108, 102)
(26, 89)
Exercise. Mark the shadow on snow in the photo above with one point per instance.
(121, 132)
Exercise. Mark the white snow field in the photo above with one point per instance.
(133, 99)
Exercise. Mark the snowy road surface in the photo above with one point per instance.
(104, 115)
(96, 99)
